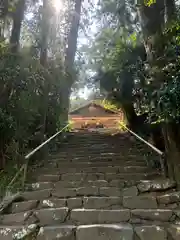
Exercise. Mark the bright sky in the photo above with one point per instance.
(85, 40)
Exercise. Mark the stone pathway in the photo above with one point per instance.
(97, 187)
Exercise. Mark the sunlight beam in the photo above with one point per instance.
(57, 4)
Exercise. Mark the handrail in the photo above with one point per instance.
(162, 159)
(27, 157)
(44, 143)
(142, 140)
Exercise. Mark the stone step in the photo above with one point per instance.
(86, 191)
(61, 192)
(134, 216)
(169, 198)
(24, 206)
(94, 216)
(105, 232)
(94, 211)
(36, 195)
(103, 145)
(16, 219)
(93, 152)
(71, 192)
(48, 177)
(75, 184)
(93, 156)
(39, 186)
(86, 202)
(57, 232)
(151, 232)
(95, 176)
(102, 202)
(138, 202)
(76, 202)
(18, 232)
(126, 232)
(97, 232)
(89, 183)
(98, 161)
(113, 169)
(161, 215)
(51, 216)
(156, 185)
(116, 231)
(89, 163)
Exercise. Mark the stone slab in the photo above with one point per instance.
(110, 191)
(24, 206)
(156, 185)
(105, 232)
(163, 215)
(101, 202)
(94, 216)
(173, 197)
(74, 202)
(64, 192)
(51, 216)
(87, 191)
(151, 233)
(140, 202)
(15, 219)
(57, 232)
(131, 191)
(49, 178)
(37, 195)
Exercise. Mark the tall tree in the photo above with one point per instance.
(18, 16)
(70, 56)
(152, 18)
(45, 25)
(170, 10)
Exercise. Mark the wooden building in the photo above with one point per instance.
(94, 115)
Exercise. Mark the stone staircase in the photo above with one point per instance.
(97, 187)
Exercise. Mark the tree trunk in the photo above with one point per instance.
(69, 59)
(170, 9)
(44, 33)
(43, 61)
(152, 22)
(72, 36)
(130, 115)
(18, 16)
(172, 150)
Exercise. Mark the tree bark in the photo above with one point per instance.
(69, 59)
(17, 22)
(152, 21)
(170, 9)
(72, 36)
(43, 61)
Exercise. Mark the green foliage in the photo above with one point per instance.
(22, 117)
(161, 98)
(107, 105)
(149, 2)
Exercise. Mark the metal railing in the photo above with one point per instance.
(155, 149)
(24, 167)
